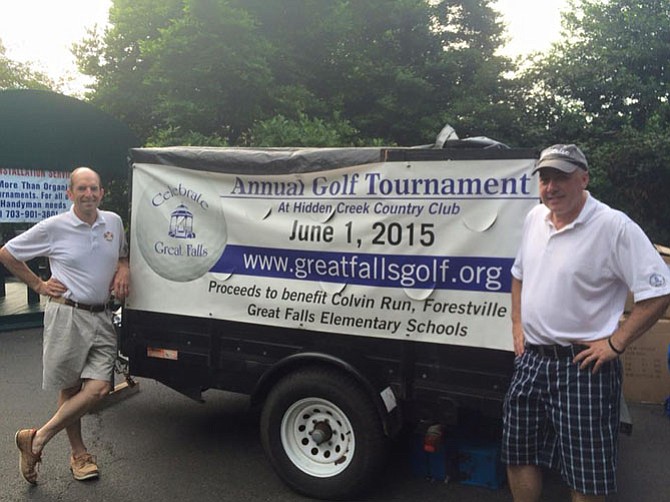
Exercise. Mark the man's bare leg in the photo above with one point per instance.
(73, 403)
(525, 482)
(74, 429)
(580, 497)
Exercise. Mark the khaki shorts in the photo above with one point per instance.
(78, 345)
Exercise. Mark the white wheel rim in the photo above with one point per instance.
(323, 460)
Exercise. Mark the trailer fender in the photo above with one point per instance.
(381, 395)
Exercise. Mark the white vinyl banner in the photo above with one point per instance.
(416, 251)
(31, 195)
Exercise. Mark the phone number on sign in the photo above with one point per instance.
(26, 214)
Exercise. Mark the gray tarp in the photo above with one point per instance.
(256, 160)
(302, 160)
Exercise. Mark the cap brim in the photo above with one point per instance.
(561, 165)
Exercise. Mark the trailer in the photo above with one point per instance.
(347, 291)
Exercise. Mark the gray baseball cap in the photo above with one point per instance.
(566, 158)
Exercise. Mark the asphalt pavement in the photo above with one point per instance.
(157, 445)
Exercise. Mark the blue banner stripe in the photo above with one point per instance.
(464, 273)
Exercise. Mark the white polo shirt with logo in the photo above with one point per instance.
(83, 257)
(575, 280)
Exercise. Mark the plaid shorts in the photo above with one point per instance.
(556, 415)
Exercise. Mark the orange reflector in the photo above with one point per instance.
(172, 355)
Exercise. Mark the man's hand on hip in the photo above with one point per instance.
(597, 353)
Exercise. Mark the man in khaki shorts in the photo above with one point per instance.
(87, 253)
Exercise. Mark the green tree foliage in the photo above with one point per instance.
(614, 60)
(606, 86)
(120, 63)
(631, 173)
(280, 131)
(16, 75)
(393, 70)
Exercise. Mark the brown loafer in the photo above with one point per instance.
(84, 467)
(27, 459)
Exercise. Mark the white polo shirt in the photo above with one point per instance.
(575, 280)
(83, 257)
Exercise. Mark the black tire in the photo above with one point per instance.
(329, 401)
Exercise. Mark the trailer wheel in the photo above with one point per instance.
(322, 434)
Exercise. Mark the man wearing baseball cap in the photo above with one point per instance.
(576, 263)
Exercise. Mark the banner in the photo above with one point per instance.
(30, 195)
(417, 252)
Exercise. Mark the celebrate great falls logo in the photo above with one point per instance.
(182, 229)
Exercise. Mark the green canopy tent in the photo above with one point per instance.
(50, 131)
(47, 131)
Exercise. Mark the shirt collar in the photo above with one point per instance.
(76, 221)
(586, 212)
